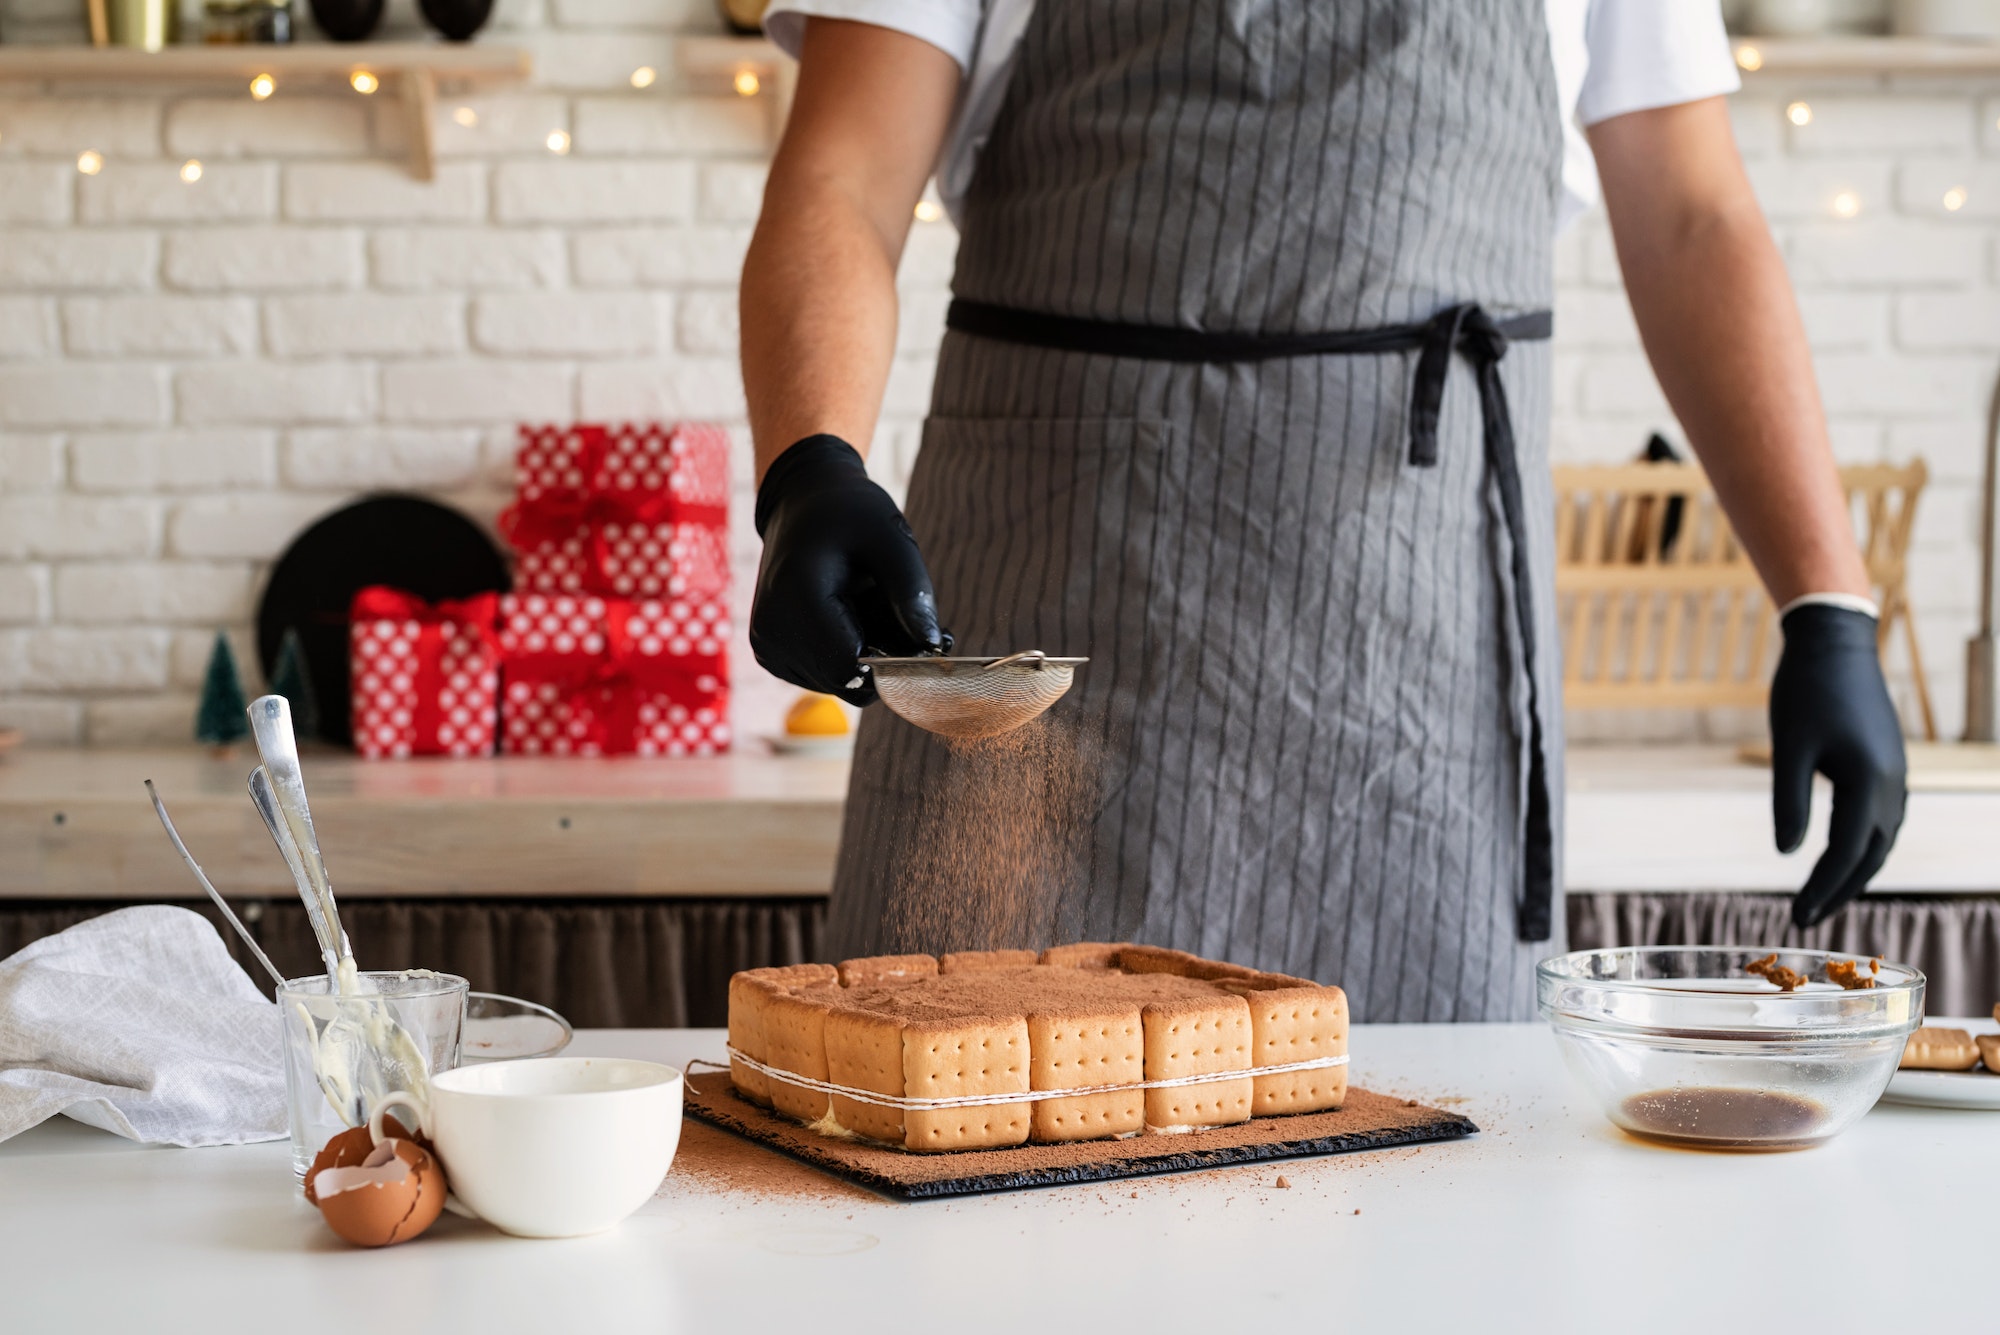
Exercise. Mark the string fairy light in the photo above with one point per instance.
(1954, 199)
(558, 142)
(1749, 57)
(747, 83)
(263, 86)
(1846, 204)
(465, 116)
(644, 76)
(191, 170)
(90, 162)
(364, 82)
(1799, 113)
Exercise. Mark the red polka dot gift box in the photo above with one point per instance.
(634, 510)
(425, 676)
(589, 676)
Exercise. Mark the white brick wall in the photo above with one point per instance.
(191, 373)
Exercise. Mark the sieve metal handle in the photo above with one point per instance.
(1034, 656)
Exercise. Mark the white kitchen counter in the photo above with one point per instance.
(1698, 818)
(1550, 1220)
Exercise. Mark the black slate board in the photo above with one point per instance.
(1368, 1121)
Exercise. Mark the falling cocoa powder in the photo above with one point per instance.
(997, 843)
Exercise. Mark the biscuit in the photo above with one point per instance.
(956, 1057)
(887, 970)
(746, 1035)
(976, 961)
(1989, 1052)
(1071, 1050)
(1940, 1050)
(1159, 959)
(1297, 1024)
(1197, 1036)
(1266, 981)
(1091, 955)
(748, 991)
(865, 1051)
(795, 1040)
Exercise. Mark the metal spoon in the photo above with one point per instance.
(364, 1051)
(160, 809)
(331, 941)
(278, 747)
(335, 1094)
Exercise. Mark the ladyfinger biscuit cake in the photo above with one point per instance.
(976, 1050)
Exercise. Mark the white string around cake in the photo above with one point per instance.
(880, 1100)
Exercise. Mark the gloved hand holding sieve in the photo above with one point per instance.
(841, 571)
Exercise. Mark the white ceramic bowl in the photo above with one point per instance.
(552, 1147)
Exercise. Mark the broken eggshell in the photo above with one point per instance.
(392, 1195)
(348, 1148)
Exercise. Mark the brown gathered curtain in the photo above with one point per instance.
(666, 962)
(602, 964)
(1956, 942)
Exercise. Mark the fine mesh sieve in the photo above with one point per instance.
(971, 698)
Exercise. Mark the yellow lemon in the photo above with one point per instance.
(816, 716)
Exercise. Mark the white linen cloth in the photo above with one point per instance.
(1611, 57)
(139, 1022)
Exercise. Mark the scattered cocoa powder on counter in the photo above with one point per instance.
(716, 1161)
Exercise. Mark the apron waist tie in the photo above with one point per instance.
(1465, 329)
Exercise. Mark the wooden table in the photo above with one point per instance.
(75, 824)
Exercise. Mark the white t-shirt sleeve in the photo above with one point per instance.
(952, 26)
(1653, 53)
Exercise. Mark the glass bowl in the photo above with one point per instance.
(1678, 1044)
(501, 1029)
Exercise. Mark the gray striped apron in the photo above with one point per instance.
(1312, 571)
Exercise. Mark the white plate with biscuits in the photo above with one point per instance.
(1942, 1043)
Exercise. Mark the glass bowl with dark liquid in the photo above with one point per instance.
(1680, 1045)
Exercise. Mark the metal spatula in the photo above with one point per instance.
(972, 698)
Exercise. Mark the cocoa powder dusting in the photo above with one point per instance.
(1372, 1120)
(996, 843)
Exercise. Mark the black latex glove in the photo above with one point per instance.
(840, 576)
(1830, 712)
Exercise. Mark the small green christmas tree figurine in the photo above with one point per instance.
(291, 679)
(220, 718)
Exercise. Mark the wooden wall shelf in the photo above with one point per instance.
(409, 70)
(1759, 56)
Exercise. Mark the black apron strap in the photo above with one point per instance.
(1465, 329)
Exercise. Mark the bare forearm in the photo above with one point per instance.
(819, 321)
(1721, 327)
(819, 284)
